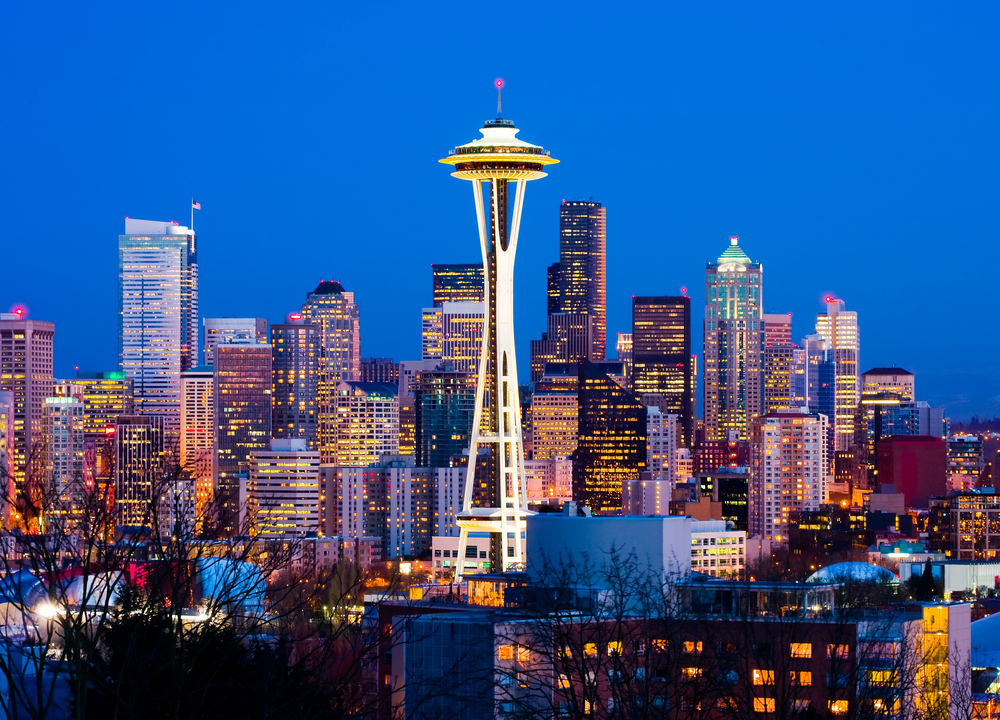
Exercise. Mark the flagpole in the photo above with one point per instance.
(192, 216)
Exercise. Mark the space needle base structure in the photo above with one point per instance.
(495, 499)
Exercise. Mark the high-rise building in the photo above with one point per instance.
(499, 159)
(661, 358)
(157, 314)
(611, 448)
(26, 371)
(231, 330)
(733, 341)
(6, 452)
(379, 370)
(553, 302)
(333, 309)
(242, 396)
(445, 406)
(779, 358)
(105, 396)
(789, 470)
(456, 283)
(283, 494)
(890, 379)
(197, 437)
(555, 412)
(965, 457)
(295, 363)
(366, 425)
(581, 273)
(139, 463)
(568, 338)
(661, 445)
(64, 487)
(916, 465)
(462, 335)
(840, 330)
(624, 349)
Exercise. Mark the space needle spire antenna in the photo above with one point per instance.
(495, 500)
(499, 83)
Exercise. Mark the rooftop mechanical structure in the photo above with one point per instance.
(495, 500)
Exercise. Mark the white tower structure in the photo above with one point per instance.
(495, 499)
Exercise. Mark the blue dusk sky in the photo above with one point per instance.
(851, 146)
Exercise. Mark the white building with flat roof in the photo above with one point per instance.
(283, 492)
(717, 549)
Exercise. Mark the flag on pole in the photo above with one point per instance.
(195, 205)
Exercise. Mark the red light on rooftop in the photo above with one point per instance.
(76, 367)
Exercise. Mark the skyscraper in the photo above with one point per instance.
(555, 412)
(624, 348)
(242, 388)
(568, 338)
(198, 434)
(779, 357)
(105, 396)
(139, 458)
(661, 445)
(611, 448)
(733, 340)
(456, 283)
(661, 358)
(283, 492)
(26, 371)
(366, 423)
(64, 457)
(157, 314)
(462, 335)
(789, 470)
(581, 272)
(333, 309)
(445, 406)
(840, 330)
(379, 370)
(889, 379)
(498, 158)
(228, 330)
(295, 367)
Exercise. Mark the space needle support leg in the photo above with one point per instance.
(470, 468)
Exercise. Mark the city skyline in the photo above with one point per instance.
(861, 99)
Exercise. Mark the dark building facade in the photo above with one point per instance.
(581, 273)
(830, 534)
(295, 350)
(242, 384)
(661, 358)
(445, 405)
(382, 370)
(611, 447)
(456, 283)
(916, 465)
(711, 455)
(567, 339)
(732, 491)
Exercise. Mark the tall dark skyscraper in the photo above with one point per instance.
(445, 407)
(457, 283)
(242, 421)
(611, 448)
(580, 275)
(295, 351)
(661, 358)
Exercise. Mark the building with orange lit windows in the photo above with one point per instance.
(789, 469)
(733, 340)
(366, 423)
(295, 366)
(843, 344)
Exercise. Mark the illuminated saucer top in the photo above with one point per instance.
(498, 154)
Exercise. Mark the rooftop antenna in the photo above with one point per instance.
(499, 83)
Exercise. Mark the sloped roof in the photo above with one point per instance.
(734, 254)
(328, 287)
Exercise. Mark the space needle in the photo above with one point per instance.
(495, 499)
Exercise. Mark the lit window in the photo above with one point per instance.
(802, 650)
(590, 650)
(838, 707)
(505, 652)
(763, 677)
(837, 651)
(763, 705)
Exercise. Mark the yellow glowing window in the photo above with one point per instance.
(660, 644)
(692, 672)
(523, 654)
(763, 705)
(615, 647)
(505, 652)
(566, 652)
(690, 646)
(590, 650)
(563, 681)
(838, 707)
(802, 650)
(763, 677)
(837, 651)
(803, 677)
(881, 677)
